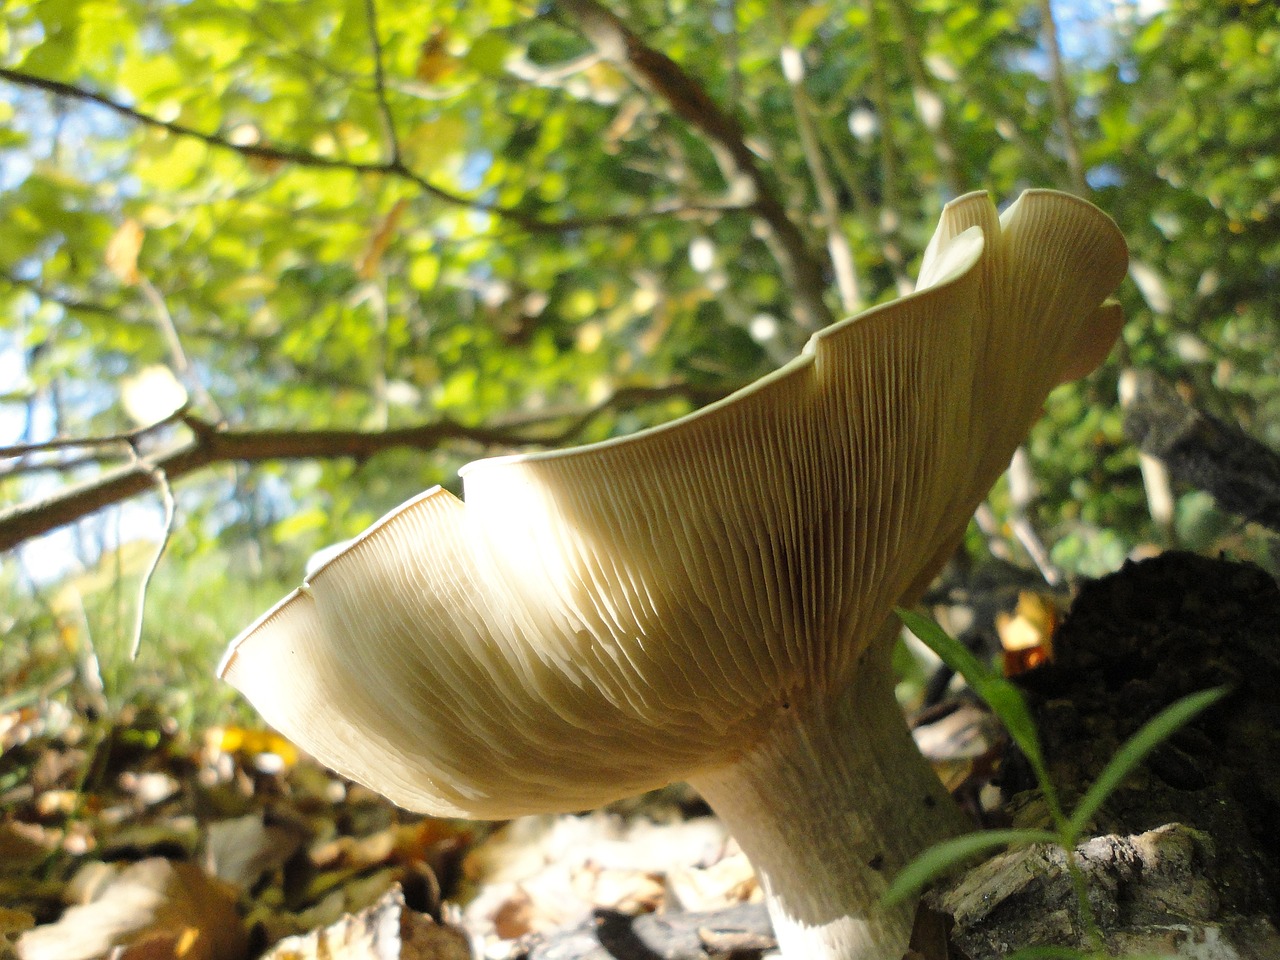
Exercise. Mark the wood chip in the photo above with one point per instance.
(388, 930)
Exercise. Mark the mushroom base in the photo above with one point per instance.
(829, 805)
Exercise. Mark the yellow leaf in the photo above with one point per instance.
(380, 240)
(151, 909)
(123, 250)
(253, 742)
(435, 62)
(1027, 634)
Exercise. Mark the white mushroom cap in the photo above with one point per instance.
(604, 620)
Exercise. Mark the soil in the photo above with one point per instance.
(1133, 643)
(1182, 858)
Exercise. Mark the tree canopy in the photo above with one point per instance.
(278, 265)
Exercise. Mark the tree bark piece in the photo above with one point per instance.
(1241, 473)
(388, 930)
(1155, 893)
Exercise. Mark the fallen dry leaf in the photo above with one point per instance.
(388, 930)
(12, 923)
(241, 850)
(153, 908)
(24, 846)
(541, 874)
(1026, 635)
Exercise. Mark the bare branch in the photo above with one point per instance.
(128, 439)
(837, 241)
(62, 300)
(380, 81)
(929, 103)
(884, 109)
(210, 445)
(392, 168)
(662, 77)
(170, 511)
(177, 354)
(1062, 105)
(522, 68)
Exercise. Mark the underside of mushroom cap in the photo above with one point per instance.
(603, 620)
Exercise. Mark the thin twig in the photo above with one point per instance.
(522, 68)
(837, 241)
(662, 77)
(929, 103)
(884, 109)
(64, 465)
(166, 498)
(852, 183)
(67, 303)
(169, 330)
(128, 438)
(733, 53)
(394, 168)
(380, 81)
(1062, 105)
(1022, 494)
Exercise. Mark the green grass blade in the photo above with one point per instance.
(953, 653)
(938, 859)
(1004, 699)
(1008, 703)
(1049, 953)
(1071, 953)
(1154, 732)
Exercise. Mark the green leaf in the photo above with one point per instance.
(938, 859)
(1008, 703)
(1153, 733)
(806, 24)
(487, 54)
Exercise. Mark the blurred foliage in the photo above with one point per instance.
(426, 246)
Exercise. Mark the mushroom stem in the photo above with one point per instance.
(829, 805)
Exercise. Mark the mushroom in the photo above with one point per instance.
(712, 599)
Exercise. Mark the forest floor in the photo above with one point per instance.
(128, 838)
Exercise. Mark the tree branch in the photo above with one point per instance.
(930, 105)
(837, 240)
(211, 445)
(391, 168)
(884, 109)
(1062, 105)
(380, 81)
(129, 439)
(1203, 451)
(662, 77)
